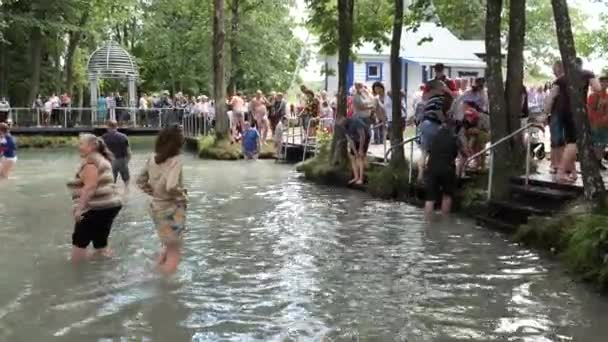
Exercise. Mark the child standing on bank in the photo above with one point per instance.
(161, 178)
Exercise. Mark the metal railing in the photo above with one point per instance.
(196, 125)
(307, 139)
(491, 148)
(411, 159)
(68, 117)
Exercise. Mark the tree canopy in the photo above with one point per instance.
(44, 44)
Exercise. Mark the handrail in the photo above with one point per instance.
(406, 141)
(411, 160)
(491, 150)
(305, 142)
(499, 142)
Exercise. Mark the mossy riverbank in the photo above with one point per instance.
(42, 141)
(211, 148)
(576, 237)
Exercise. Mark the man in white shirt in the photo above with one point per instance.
(5, 109)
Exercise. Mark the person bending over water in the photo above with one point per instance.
(118, 143)
(96, 199)
(440, 173)
(251, 142)
(358, 137)
(8, 151)
(161, 178)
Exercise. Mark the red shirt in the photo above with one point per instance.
(448, 82)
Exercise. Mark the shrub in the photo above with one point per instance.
(211, 148)
(388, 181)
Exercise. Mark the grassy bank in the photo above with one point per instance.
(211, 148)
(577, 238)
(42, 141)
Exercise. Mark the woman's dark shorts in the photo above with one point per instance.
(95, 227)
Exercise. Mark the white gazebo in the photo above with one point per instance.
(112, 61)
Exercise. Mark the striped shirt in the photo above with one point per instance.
(434, 109)
(106, 194)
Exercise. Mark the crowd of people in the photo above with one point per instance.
(454, 124)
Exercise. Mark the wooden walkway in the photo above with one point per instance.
(74, 131)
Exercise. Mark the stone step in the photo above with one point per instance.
(515, 212)
(547, 182)
(495, 223)
(536, 192)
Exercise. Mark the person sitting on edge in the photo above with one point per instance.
(118, 144)
(8, 151)
(280, 128)
(441, 169)
(251, 142)
(357, 134)
(433, 115)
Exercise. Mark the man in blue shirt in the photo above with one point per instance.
(8, 151)
(251, 142)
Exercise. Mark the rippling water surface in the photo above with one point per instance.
(269, 257)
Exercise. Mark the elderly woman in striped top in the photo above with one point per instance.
(96, 199)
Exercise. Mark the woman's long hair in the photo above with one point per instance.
(168, 143)
(100, 145)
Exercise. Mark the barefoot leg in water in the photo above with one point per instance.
(173, 257)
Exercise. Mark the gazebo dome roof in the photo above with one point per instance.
(112, 61)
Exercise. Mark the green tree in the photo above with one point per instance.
(339, 26)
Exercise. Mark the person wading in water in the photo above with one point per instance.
(96, 200)
(162, 179)
(118, 143)
(8, 151)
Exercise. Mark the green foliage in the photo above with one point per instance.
(211, 148)
(388, 182)
(580, 239)
(320, 169)
(372, 23)
(170, 40)
(39, 141)
(587, 250)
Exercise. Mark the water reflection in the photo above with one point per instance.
(271, 258)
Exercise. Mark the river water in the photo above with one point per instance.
(269, 257)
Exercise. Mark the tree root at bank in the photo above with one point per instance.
(580, 239)
(211, 148)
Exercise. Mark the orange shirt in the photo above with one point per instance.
(597, 108)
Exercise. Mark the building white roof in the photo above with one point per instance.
(444, 48)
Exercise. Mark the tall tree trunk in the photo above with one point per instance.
(515, 77)
(595, 191)
(222, 124)
(339, 151)
(496, 96)
(35, 63)
(234, 47)
(3, 70)
(397, 158)
(73, 42)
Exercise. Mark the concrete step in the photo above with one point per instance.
(518, 210)
(547, 182)
(544, 192)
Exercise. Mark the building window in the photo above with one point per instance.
(373, 71)
(470, 74)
